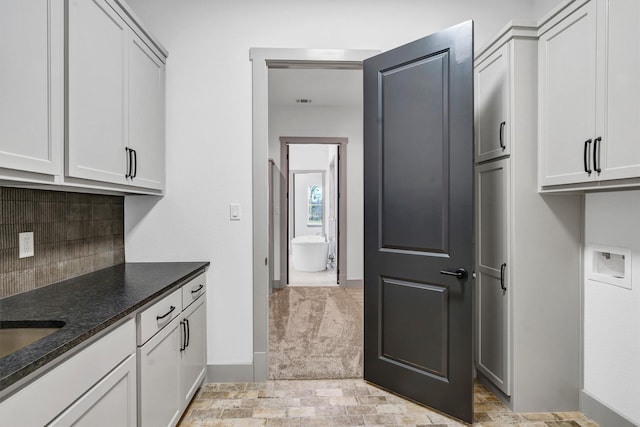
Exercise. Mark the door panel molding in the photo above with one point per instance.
(408, 90)
(431, 300)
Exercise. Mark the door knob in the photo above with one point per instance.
(460, 273)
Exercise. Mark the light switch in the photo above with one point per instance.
(234, 211)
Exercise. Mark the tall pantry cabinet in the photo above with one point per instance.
(527, 245)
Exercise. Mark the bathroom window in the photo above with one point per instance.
(315, 205)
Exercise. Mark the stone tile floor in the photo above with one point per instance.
(350, 402)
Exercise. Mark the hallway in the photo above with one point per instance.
(315, 333)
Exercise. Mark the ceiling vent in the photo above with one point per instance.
(303, 101)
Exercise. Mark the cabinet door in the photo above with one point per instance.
(146, 115)
(493, 105)
(619, 150)
(111, 402)
(158, 385)
(193, 357)
(31, 84)
(97, 110)
(493, 346)
(567, 88)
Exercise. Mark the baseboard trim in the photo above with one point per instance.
(601, 413)
(230, 373)
(482, 379)
(354, 283)
(260, 366)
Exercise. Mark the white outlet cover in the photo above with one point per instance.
(25, 244)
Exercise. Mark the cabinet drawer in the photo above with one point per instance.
(158, 316)
(193, 290)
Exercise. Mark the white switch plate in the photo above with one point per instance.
(25, 244)
(234, 211)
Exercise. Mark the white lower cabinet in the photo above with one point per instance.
(172, 363)
(158, 386)
(493, 349)
(111, 402)
(193, 357)
(95, 387)
(114, 383)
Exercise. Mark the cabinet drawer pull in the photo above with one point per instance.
(183, 344)
(596, 154)
(502, 268)
(135, 164)
(166, 314)
(195, 291)
(128, 151)
(188, 333)
(587, 165)
(502, 144)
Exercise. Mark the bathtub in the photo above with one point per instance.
(309, 253)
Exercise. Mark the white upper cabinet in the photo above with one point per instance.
(146, 115)
(97, 88)
(618, 155)
(492, 86)
(567, 98)
(31, 85)
(589, 115)
(115, 99)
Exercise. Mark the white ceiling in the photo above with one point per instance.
(325, 88)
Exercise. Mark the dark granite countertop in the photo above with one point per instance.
(88, 305)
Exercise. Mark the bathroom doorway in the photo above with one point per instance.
(313, 200)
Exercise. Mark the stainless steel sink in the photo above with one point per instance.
(15, 335)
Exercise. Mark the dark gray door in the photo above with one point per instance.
(418, 170)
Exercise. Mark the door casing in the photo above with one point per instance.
(342, 203)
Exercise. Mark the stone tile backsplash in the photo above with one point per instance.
(74, 234)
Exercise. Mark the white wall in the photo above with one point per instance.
(303, 156)
(542, 7)
(209, 125)
(612, 313)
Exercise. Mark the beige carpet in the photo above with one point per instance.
(315, 333)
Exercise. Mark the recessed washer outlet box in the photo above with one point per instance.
(609, 265)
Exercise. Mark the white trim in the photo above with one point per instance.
(229, 373)
(601, 413)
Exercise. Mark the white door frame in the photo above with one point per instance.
(341, 209)
(262, 59)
